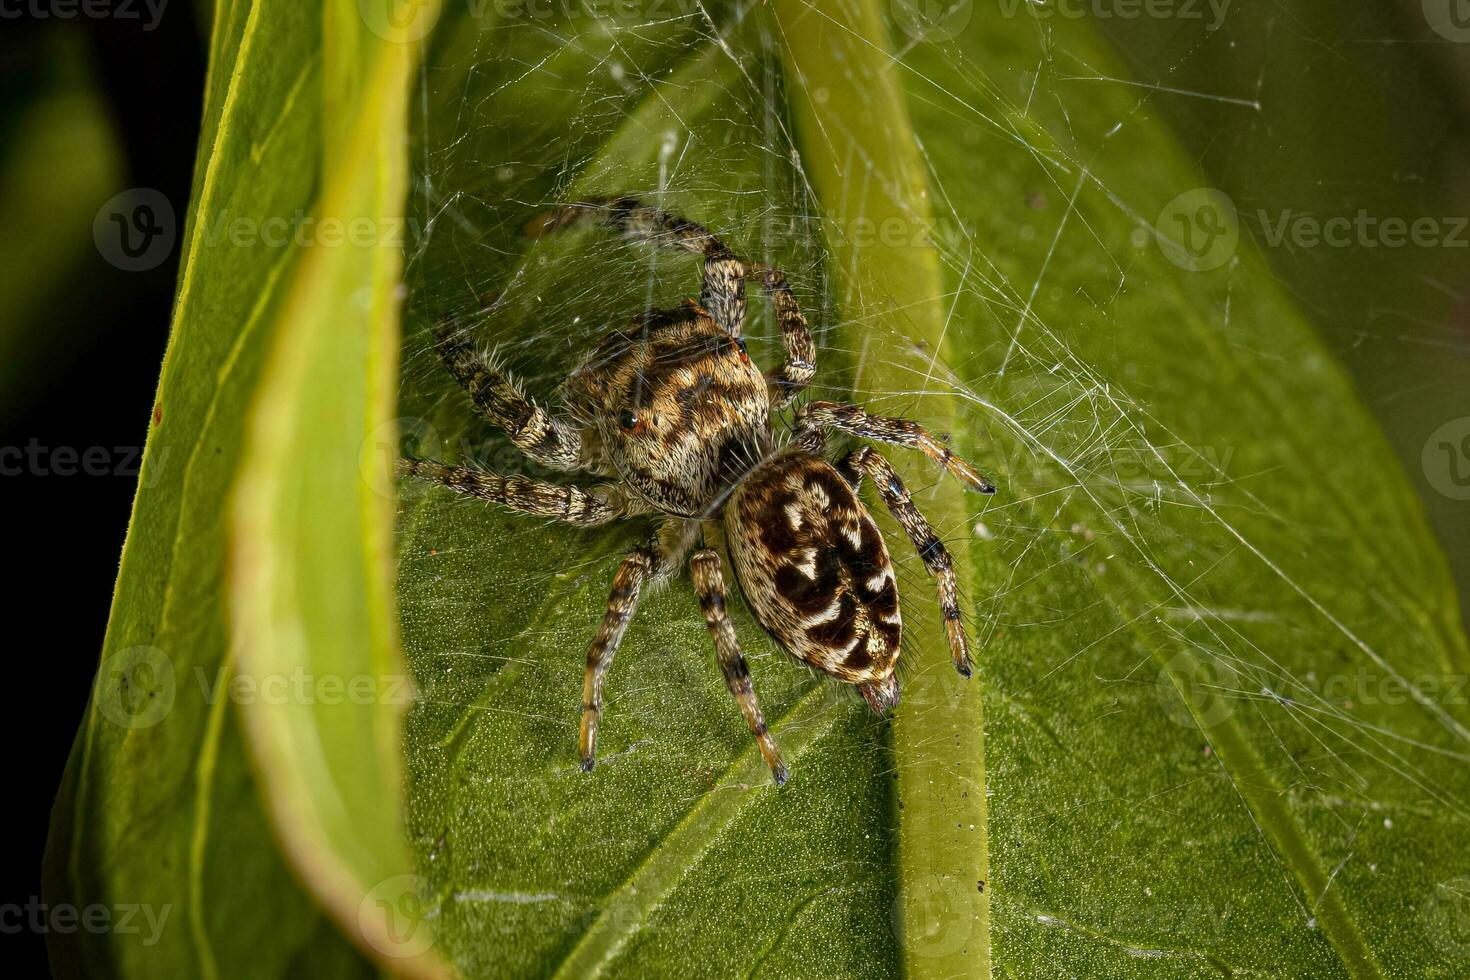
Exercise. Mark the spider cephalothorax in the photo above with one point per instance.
(674, 412)
(680, 409)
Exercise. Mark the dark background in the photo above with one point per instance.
(80, 366)
(1362, 107)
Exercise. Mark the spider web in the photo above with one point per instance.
(1184, 633)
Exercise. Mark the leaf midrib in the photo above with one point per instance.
(864, 126)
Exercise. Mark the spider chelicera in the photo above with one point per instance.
(673, 411)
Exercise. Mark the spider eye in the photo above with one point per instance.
(627, 419)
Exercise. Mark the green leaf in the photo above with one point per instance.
(1218, 647)
(282, 360)
(1285, 139)
(1217, 724)
(311, 548)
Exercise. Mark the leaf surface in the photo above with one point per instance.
(1193, 609)
(1215, 725)
(162, 808)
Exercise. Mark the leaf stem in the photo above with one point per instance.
(862, 161)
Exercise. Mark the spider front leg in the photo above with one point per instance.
(796, 371)
(723, 291)
(868, 461)
(709, 585)
(899, 432)
(534, 431)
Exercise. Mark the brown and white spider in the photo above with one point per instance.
(673, 410)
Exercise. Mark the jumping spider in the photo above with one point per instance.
(673, 410)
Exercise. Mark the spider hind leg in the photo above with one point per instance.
(899, 432)
(583, 506)
(650, 564)
(870, 462)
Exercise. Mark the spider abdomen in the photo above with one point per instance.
(816, 572)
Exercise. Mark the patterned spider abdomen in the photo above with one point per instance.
(816, 572)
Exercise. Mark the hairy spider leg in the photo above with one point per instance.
(652, 563)
(867, 460)
(584, 507)
(709, 586)
(723, 291)
(534, 431)
(622, 603)
(796, 371)
(899, 432)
